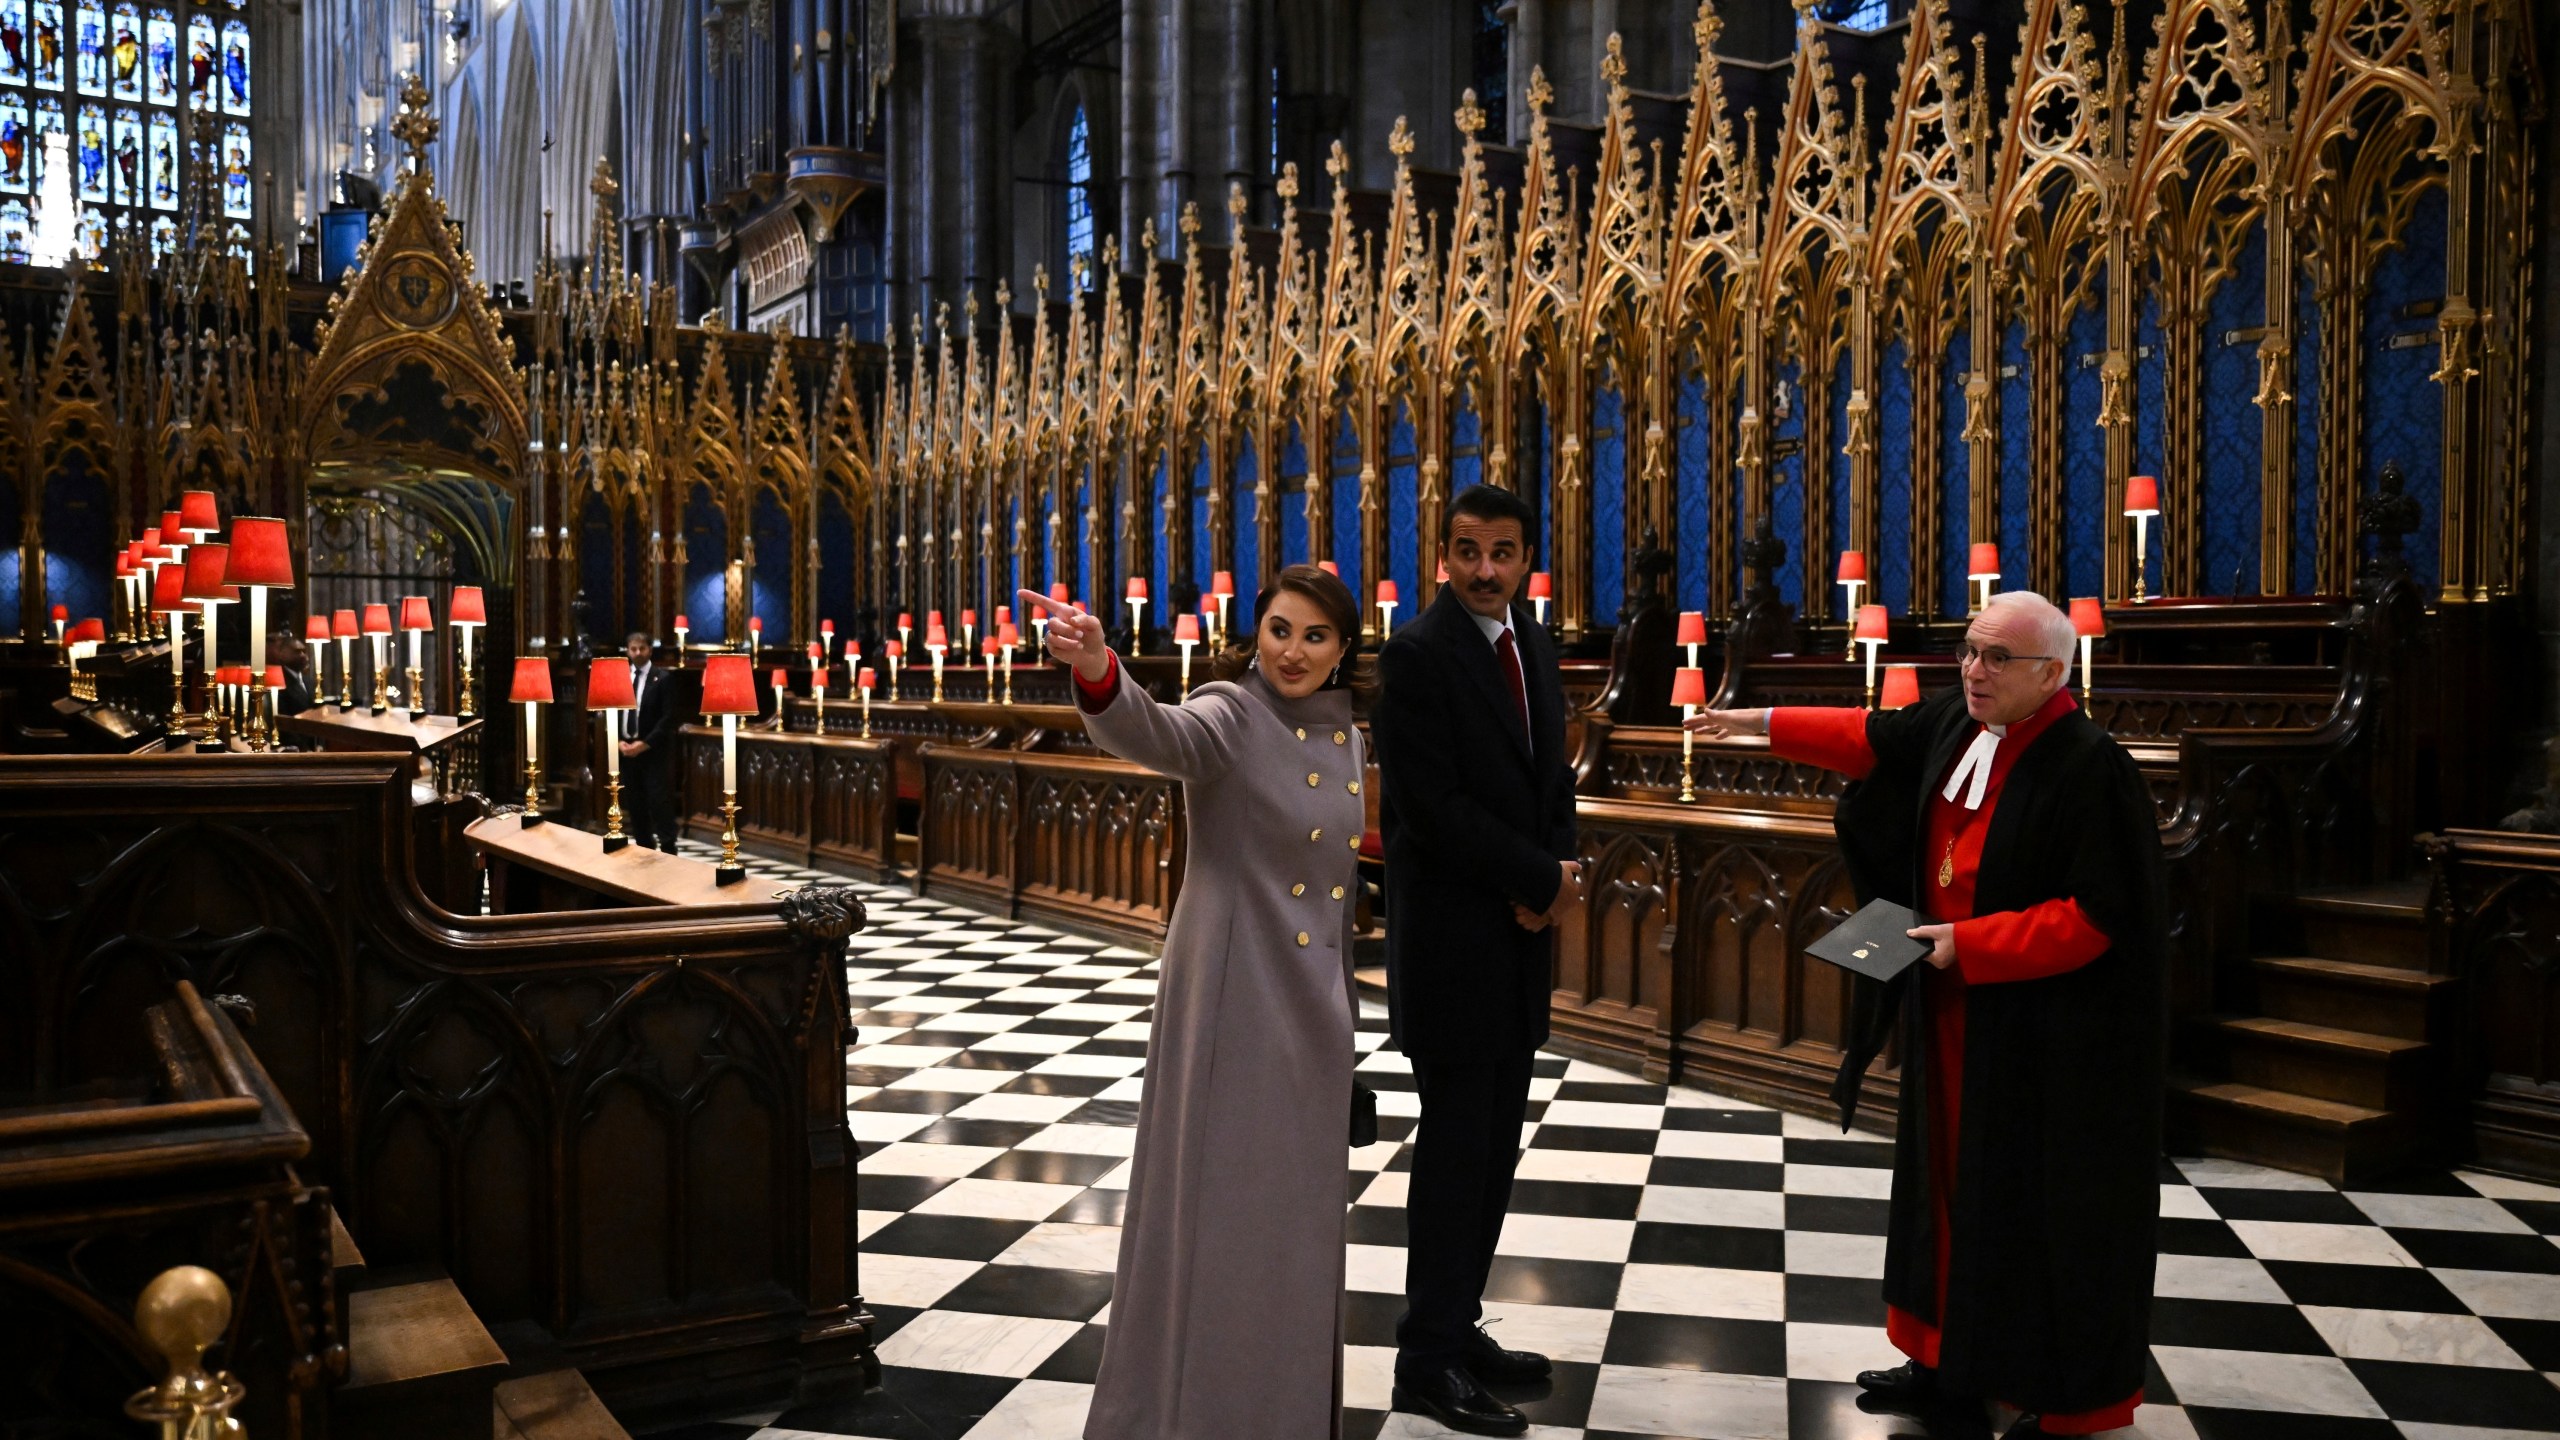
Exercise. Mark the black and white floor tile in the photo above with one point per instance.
(1699, 1267)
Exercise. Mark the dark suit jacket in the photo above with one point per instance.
(660, 714)
(1476, 816)
(296, 696)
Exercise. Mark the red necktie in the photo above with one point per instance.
(1510, 656)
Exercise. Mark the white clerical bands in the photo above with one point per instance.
(1975, 767)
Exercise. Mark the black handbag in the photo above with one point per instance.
(1364, 1115)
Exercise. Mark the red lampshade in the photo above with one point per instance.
(683, 624)
(470, 607)
(261, 552)
(149, 552)
(1901, 687)
(377, 620)
(2089, 616)
(2142, 495)
(1853, 566)
(1386, 592)
(316, 629)
(1440, 576)
(342, 625)
(1330, 568)
(936, 638)
(1059, 594)
(781, 678)
(828, 629)
(756, 623)
(894, 649)
(969, 619)
(1688, 686)
(817, 656)
(92, 628)
(1693, 629)
(1009, 634)
(61, 613)
(173, 528)
(1004, 616)
(169, 592)
(197, 511)
(728, 686)
(1872, 623)
(1984, 563)
(864, 678)
(532, 682)
(609, 684)
(1186, 629)
(1209, 604)
(1137, 587)
(413, 613)
(932, 619)
(124, 564)
(1223, 583)
(852, 652)
(275, 677)
(906, 619)
(208, 566)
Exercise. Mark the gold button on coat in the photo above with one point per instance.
(1302, 937)
(1302, 732)
(1313, 779)
(1316, 834)
(1298, 889)
(1355, 842)
(1337, 892)
(1338, 737)
(1355, 787)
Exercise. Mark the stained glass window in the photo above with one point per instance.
(1079, 190)
(112, 77)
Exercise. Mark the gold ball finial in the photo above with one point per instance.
(181, 1313)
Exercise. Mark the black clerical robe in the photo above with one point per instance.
(2050, 1229)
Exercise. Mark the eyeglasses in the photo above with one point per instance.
(1993, 662)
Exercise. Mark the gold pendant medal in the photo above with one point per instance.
(1947, 867)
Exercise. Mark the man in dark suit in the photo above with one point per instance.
(649, 747)
(1477, 809)
(286, 651)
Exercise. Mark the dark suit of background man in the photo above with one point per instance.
(284, 648)
(649, 748)
(1477, 808)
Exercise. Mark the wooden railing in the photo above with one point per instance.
(622, 1135)
(2493, 911)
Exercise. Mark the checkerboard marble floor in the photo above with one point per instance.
(1697, 1266)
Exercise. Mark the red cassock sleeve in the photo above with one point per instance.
(1831, 736)
(1095, 696)
(2044, 939)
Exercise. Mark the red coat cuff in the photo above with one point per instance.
(2051, 938)
(1095, 696)
(1833, 737)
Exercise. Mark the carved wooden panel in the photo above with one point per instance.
(1101, 842)
(967, 826)
(853, 816)
(2493, 915)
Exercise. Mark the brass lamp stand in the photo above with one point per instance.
(181, 1313)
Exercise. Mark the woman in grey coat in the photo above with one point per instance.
(1226, 1315)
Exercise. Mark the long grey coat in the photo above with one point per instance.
(1226, 1317)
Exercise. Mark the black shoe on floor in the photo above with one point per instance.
(1494, 1365)
(2027, 1427)
(1909, 1388)
(1460, 1401)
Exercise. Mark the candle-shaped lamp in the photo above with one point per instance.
(827, 636)
(1688, 691)
(755, 639)
(470, 612)
(377, 634)
(271, 691)
(417, 621)
(781, 689)
(818, 681)
(988, 650)
(1982, 567)
(199, 514)
(2089, 622)
(124, 593)
(893, 651)
(1692, 634)
(169, 598)
(906, 622)
(61, 622)
(208, 574)
(1386, 608)
(1330, 568)
(1542, 588)
(262, 560)
(2141, 502)
(1853, 578)
(729, 691)
(315, 643)
(683, 626)
(1137, 611)
(609, 694)
(342, 628)
(1040, 622)
(1872, 627)
(968, 635)
(1222, 589)
(1008, 636)
(936, 641)
(864, 680)
(1186, 633)
(1901, 686)
(532, 690)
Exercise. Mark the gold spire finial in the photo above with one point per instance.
(1470, 115)
(1541, 92)
(415, 125)
(1040, 285)
(1190, 223)
(1400, 139)
(1613, 66)
(1703, 30)
(1336, 161)
(1287, 187)
(603, 186)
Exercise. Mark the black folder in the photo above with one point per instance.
(1872, 942)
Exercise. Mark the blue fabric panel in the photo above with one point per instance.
(1160, 582)
(10, 594)
(2017, 423)
(1737, 527)
(1404, 512)
(1079, 576)
(1787, 505)
(1834, 470)
(2150, 389)
(79, 561)
(1345, 507)
(1466, 445)
(2404, 408)
(2084, 458)
(1204, 554)
(1890, 566)
(1690, 483)
(706, 541)
(1009, 574)
(839, 567)
(1293, 498)
(2231, 424)
(1248, 528)
(2306, 454)
(1542, 483)
(595, 566)
(1608, 503)
(1955, 460)
(774, 541)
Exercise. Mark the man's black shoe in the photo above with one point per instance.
(1908, 1388)
(1494, 1365)
(1459, 1401)
(2028, 1427)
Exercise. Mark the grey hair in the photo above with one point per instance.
(2053, 631)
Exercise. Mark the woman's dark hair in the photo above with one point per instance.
(1340, 611)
